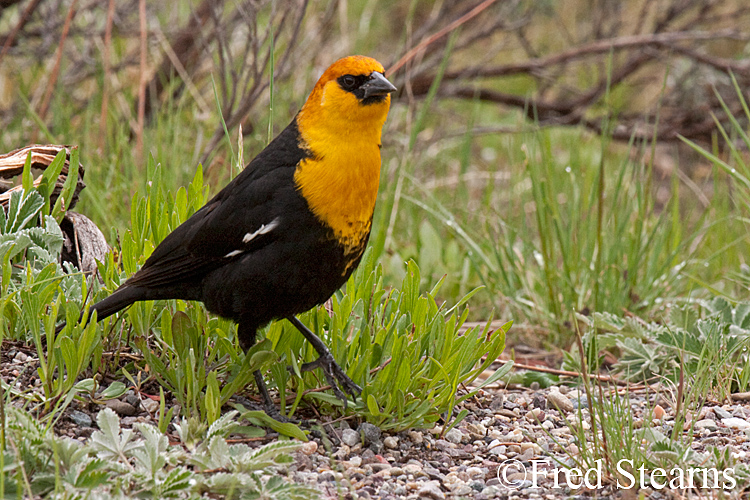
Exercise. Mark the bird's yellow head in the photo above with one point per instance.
(351, 96)
(340, 126)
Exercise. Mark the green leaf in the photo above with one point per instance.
(22, 209)
(262, 419)
(372, 405)
(27, 182)
(115, 390)
(66, 195)
(109, 442)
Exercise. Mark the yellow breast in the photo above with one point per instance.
(341, 186)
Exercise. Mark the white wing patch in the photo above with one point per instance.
(263, 229)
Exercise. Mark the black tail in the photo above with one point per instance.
(120, 299)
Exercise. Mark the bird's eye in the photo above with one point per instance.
(349, 82)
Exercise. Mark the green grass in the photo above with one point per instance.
(553, 228)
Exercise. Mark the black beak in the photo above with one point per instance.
(377, 85)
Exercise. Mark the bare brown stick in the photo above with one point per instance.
(567, 373)
(556, 113)
(143, 81)
(441, 33)
(107, 70)
(58, 58)
(33, 4)
(183, 56)
(421, 85)
(720, 63)
(741, 396)
(182, 71)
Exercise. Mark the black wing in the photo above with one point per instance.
(242, 217)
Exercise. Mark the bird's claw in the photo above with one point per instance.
(335, 377)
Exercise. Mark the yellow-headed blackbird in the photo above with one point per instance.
(288, 231)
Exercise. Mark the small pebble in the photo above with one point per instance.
(376, 447)
(581, 401)
(557, 400)
(121, 408)
(342, 453)
(462, 490)
(431, 489)
(454, 436)
(350, 437)
(309, 447)
(495, 434)
(442, 445)
(491, 492)
(499, 451)
(659, 412)
(369, 432)
(132, 400)
(412, 468)
(507, 413)
(391, 442)
(150, 405)
(128, 421)
(79, 418)
(477, 431)
(707, 424)
(721, 412)
(377, 467)
(368, 456)
(736, 423)
(497, 403)
(416, 437)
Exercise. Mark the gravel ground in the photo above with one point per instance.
(503, 427)
(505, 431)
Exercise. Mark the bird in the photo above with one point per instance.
(290, 229)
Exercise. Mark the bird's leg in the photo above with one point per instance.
(268, 405)
(246, 336)
(333, 372)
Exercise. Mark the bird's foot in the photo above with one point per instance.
(332, 371)
(268, 407)
(335, 376)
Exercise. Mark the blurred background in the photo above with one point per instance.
(570, 156)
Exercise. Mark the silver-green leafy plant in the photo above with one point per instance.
(140, 463)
